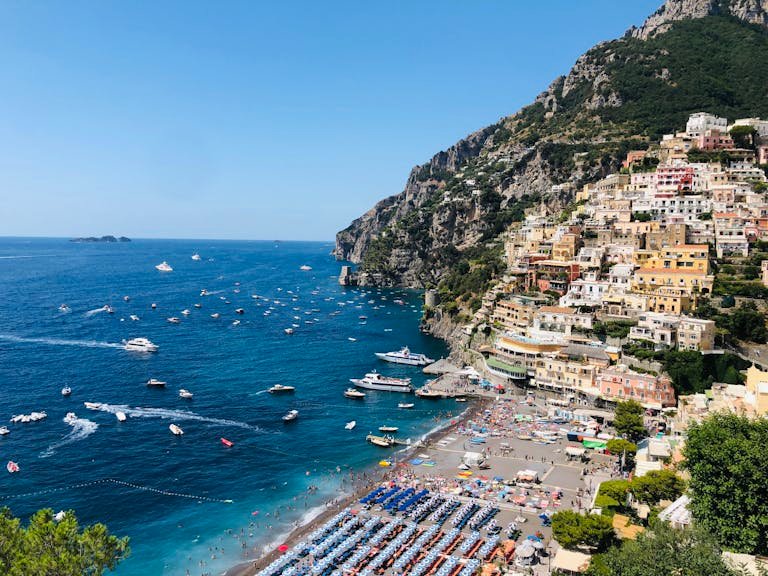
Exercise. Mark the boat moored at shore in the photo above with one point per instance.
(405, 356)
(375, 381)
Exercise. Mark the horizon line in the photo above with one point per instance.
(70, 238)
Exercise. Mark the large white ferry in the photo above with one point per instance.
(375, 381)
(405, 356)
(140, 345)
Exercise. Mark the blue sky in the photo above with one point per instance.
(262, 120)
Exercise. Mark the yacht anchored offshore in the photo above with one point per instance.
(405, 356)
(375, 381)
(164, 267)
(140, 345)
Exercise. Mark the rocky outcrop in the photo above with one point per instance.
(752, 11)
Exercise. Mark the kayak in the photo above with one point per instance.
(227, 443)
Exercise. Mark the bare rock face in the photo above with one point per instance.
(752, 11)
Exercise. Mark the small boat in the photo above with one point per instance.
(236, 323)
(354, 394)
(196, 257)
(405, 405)
(382, 441)
(93, 405)
(108, 309)
(175, 430)
(227, 443)
(121, 417)
(186, 312)
(185, 393)
(64, 309)
(427, 393)
(239, 311)
(134, 317)
(174, 320)
(291, 416)
(153, 306)
(164, 267)
(139, 345)
(305, 268)
(66, 391)
(460, 399)
(350, 425)
(288, 331)
(279, 388)
(198, 305)
(155, 382)
(388, 428)
(4, 431)
(204, 292)
(127, 298)
(352, 339)
(70, 417)
(362, 317)
(12, 467)
(215, 315)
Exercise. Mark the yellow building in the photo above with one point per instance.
(565, 249)
(682, 257)
(565, 375)
(514, 314)
(668, 300)
(691, 281)
(757, 390)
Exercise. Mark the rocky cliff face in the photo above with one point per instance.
(618, 96)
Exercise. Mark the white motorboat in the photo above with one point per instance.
(460, 399)
(153, 306)
(164, 267)
(134, 318)
(305, 268)
(4, 431)
(288, 331)
(405, 356)
(108, 309)
(156, 382)
(185, 394)
(388, 428)
(198, 305)
(215, 315)
(174, 320)
(350, 425)
(291, 416)
(354, 394)
(121, 417)
(186, 312)
(176, 430)
(351, 339)
(65, 309)
(427, 393)
(70, 417)
(236, 323)
(405, 405)
(375, 381)
(140, 345)
(66, 391)
(196, 257)
(93, 405)
(280, 389)
(239, 311)
(126, 298)
(382, 441)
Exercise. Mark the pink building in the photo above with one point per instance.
(714, 140)
(619, 383)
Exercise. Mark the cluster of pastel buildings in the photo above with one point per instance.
(635, 251)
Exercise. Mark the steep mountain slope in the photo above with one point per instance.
(690, 55)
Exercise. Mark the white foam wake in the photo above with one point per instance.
(81, 428)
(95, 311)
(60, 342)
(168, 414)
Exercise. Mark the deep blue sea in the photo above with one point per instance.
(227, 367)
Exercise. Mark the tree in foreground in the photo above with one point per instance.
(49, 548)
(663, 551)
(628, 420)
(727, 458)
(657, 485)
(575, 531)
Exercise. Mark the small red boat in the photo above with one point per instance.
(12, 467)
(227, 443)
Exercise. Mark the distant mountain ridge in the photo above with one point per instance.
(689, 56)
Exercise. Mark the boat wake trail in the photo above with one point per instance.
(95, 311)
(81, 428)
(60, 342)
(168, 414)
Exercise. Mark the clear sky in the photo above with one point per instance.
(251, 119)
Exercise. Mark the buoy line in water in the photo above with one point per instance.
(119, 483)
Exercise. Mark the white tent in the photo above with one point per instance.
(572, 562)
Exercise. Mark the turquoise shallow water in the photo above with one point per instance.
(228, 368)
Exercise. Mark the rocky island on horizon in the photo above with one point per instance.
(108, 238)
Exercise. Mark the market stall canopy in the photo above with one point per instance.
(574, 451)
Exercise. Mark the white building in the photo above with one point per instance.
(700, 122)
(587, 291)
